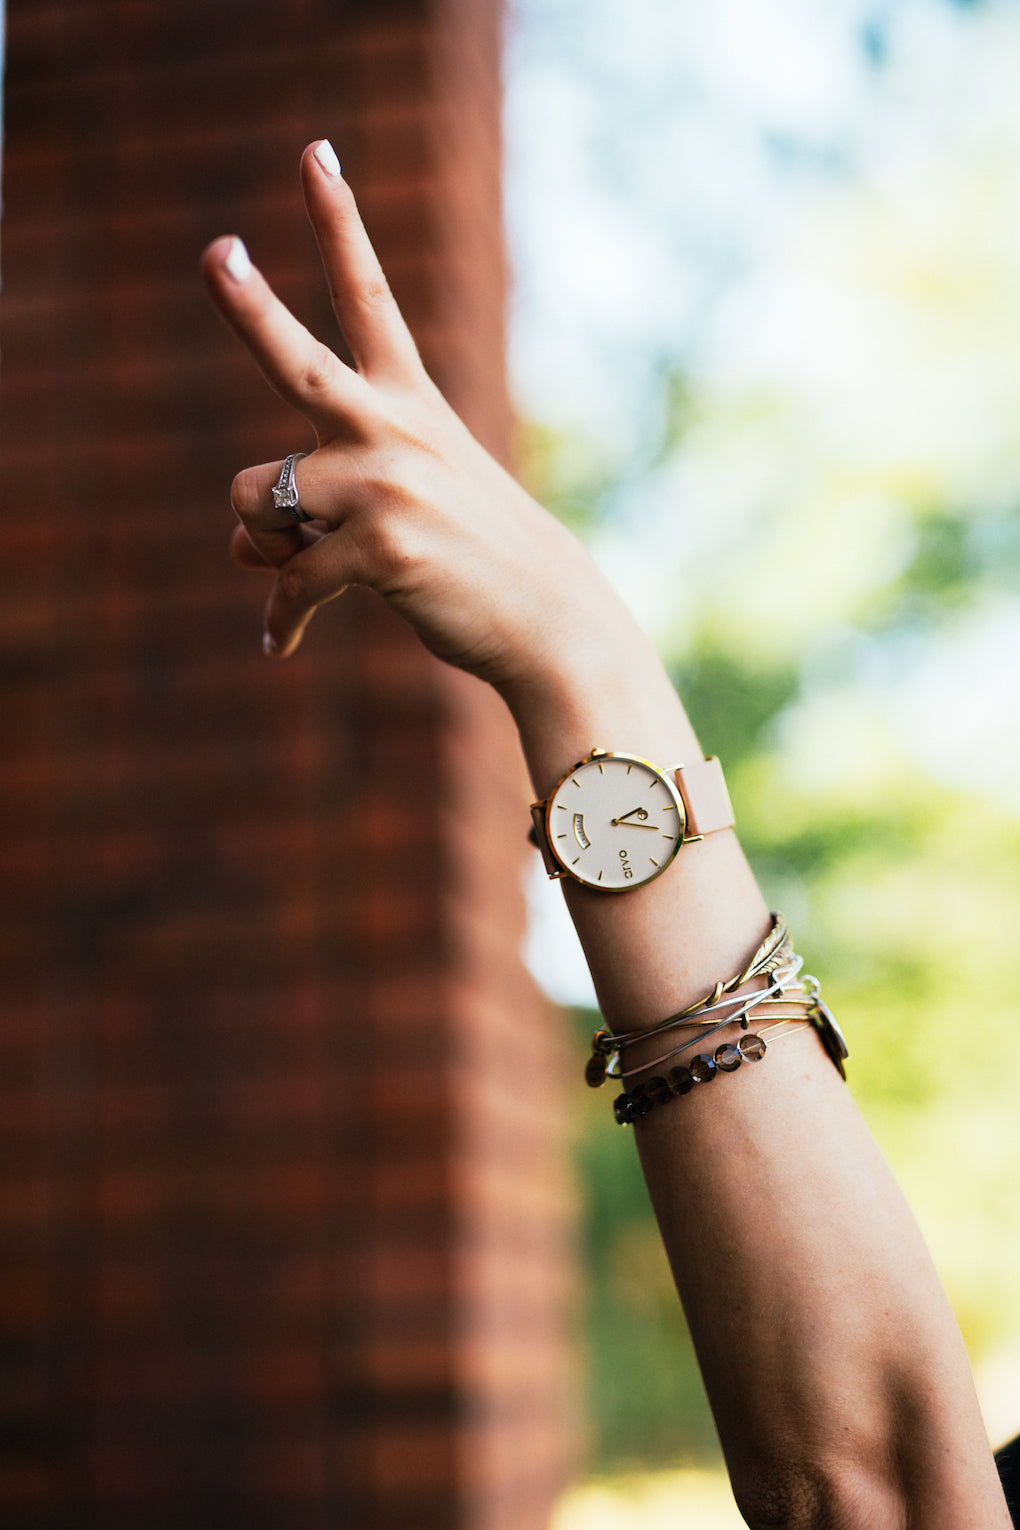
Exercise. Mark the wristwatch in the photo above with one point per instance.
(615, 821)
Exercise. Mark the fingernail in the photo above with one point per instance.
(326, 155)
(270, 647)
(237, 262)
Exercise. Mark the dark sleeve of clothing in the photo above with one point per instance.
(1008, 1461)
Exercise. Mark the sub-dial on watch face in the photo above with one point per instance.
(615, 822)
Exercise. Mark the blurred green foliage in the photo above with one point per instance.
(643, 1388)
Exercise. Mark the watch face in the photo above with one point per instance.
(614, 821)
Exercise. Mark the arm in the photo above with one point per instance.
(834, 1366)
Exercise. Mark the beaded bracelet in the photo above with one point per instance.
(703, 1068)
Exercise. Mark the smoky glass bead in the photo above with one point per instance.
(641, 1101)
(622, 1109)
(703, 1068)
(728, 1058)
(752, 1047)
(680, 1079)
(658, 1089)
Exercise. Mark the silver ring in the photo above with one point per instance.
(285, 491)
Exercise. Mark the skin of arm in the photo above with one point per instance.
(833, 1364)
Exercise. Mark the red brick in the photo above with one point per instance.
(262, 922)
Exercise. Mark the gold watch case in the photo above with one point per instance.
(613, 821)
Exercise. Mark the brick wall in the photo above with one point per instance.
(284, 1227)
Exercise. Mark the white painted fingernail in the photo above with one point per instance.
(326, 155)
(238, 262)
(270, 646)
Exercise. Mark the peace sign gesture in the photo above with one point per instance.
(402, 498)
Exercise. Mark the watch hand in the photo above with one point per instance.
(640, 811)
(652, 826)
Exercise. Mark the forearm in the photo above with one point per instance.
(834, 1367)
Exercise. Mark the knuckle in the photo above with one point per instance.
(374, 294)
(245, 496)
(293, 585)
(318, 375)
(386, 547)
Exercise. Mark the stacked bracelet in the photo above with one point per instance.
(775, 952)
(787, 996)
(784, 987)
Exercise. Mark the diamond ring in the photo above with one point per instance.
(285, 491)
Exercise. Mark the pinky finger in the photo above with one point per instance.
(246, 554)
(317, 574)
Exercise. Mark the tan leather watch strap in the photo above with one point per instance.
(541, 839)
(703, 788)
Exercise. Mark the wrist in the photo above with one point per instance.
(622, 701)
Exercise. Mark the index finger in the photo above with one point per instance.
(366, 309)
(305, 373)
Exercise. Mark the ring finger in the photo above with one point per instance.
(276, 534)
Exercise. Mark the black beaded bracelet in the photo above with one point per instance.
(702, 1069)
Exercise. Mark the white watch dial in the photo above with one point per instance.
(615, 821)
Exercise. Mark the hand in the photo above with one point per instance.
(409, 504)
(405, 500)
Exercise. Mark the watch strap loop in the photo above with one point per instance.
(706, 800)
